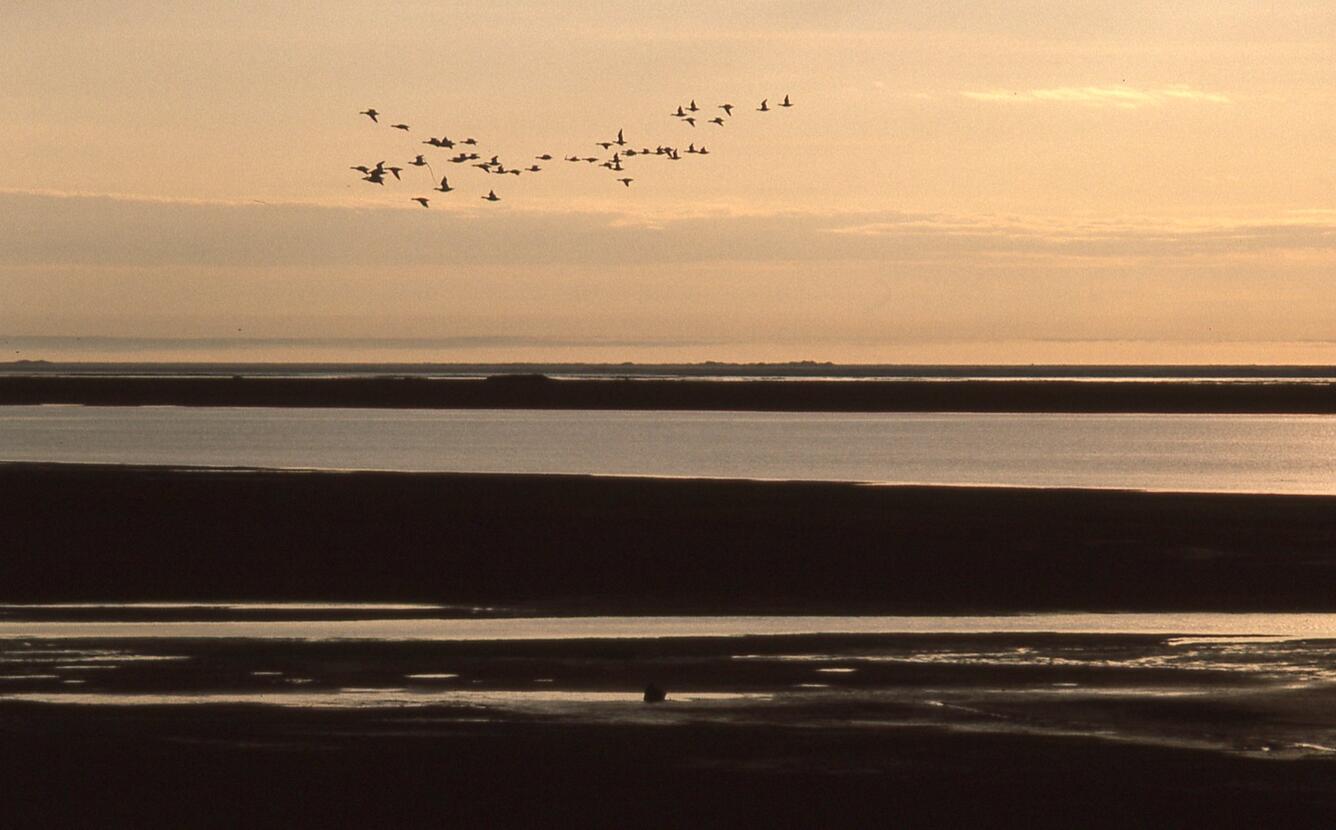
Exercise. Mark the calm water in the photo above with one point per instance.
(1250, 453)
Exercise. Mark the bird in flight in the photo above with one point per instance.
(691, 113)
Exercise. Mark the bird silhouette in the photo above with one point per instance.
(688, 113)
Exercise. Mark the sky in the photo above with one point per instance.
(957, 182)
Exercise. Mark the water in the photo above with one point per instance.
(1182, 626)
(1225, 453)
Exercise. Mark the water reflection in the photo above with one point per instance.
(1242, 683)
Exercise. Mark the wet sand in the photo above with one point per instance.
(541, 392)
(583, 545)
(989, 730)
(230, 766)
(981, 729)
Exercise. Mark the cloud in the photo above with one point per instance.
(1113, 240)
(1117, 97)
(109, 232)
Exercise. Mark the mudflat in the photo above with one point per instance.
(609, 545)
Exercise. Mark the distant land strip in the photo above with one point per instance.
(542, 392)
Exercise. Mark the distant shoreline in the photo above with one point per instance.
(537, 391)
(727, 370)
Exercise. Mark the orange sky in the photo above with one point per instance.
(1056, 182)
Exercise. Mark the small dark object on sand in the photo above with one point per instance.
(653, 694)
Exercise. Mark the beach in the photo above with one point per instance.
(235, 644)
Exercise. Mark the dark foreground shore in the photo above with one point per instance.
(230, 767)
(588, 545)
(540, 392)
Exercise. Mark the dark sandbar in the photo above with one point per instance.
(590, 545)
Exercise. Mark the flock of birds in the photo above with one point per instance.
(468, 152)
